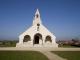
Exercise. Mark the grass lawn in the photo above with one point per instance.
(22, 55)
(69, 46)
(70, 55)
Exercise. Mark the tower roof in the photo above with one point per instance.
(37, 18)
(37, 12)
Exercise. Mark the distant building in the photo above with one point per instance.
(37, 35)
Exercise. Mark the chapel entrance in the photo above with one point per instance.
(37, 38)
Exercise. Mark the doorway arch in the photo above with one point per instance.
(37, 39)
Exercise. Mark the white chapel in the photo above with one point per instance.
(37, 35)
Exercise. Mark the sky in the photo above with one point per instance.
(61, 17)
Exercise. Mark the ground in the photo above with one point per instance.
(69, 55)
(46, 52)
(22, 55)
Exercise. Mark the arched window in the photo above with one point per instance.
(26, 38)
(48, 39)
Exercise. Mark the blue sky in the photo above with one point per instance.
(62, 17)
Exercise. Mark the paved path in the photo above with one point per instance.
(45, 51)
(51, 56)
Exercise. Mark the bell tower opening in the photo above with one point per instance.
(37, 16)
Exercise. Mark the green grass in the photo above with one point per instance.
(7, 43)
(70, 55)
(22, 55)
(69, 46)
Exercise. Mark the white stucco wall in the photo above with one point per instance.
(32, 31)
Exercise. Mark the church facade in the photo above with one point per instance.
(37, 35)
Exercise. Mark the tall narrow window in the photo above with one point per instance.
(38, 27)
(37, 16)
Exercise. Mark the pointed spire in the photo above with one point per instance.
(37, 12)
(37, 18)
